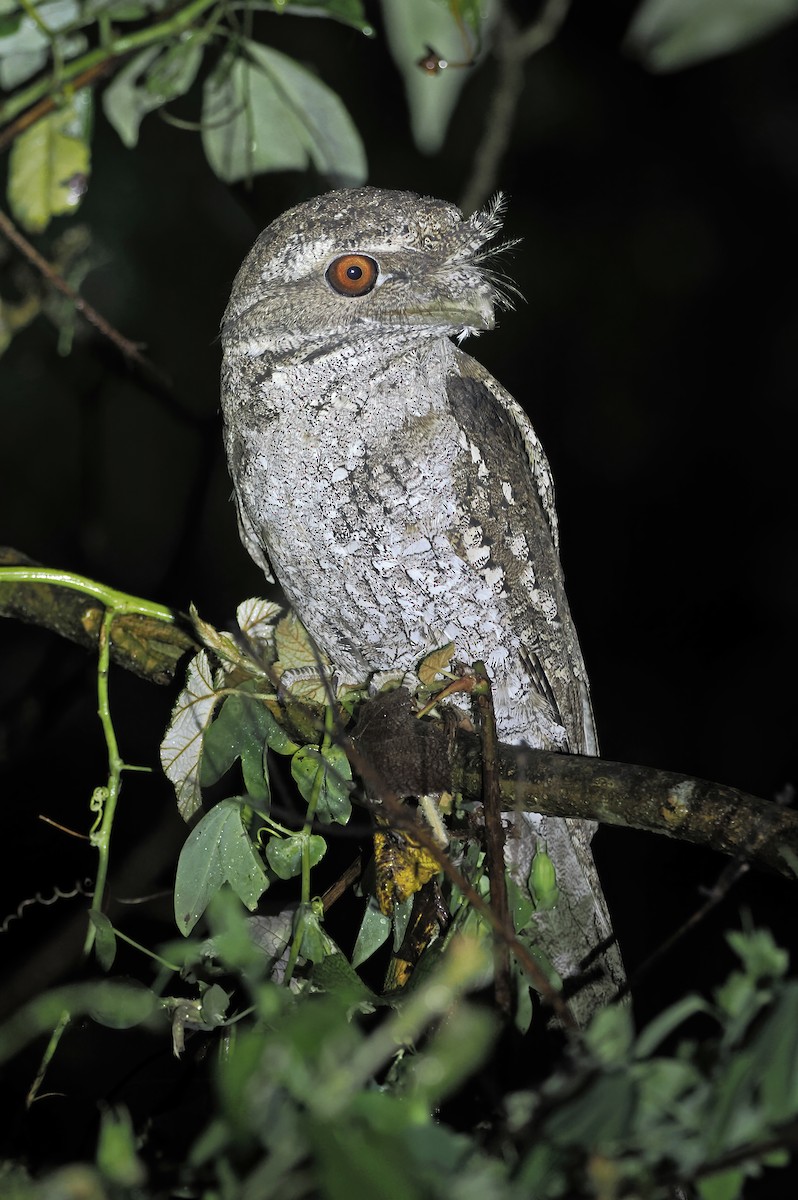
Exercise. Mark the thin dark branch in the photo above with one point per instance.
(494, 834)
(401, 817)
(130, 350)
(511, 49)
(48, 103)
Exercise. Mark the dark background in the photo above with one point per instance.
(654, 353)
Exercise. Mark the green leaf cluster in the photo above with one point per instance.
(259, 110)
(314, 1096)
(709, 1113)
(217, 727)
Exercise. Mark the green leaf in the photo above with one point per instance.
(543, 882)
(215, 1003)
(147, 82)
(348, 12)
(334, 803)
(104, 939)
(400, 920)
(373, 933)
(221, 744)
(352, 1161)
(116, 1150)
(125, 101)
(453, 1052)
(216, 852)
(598, 1116)
(284, 855)
(670, 34)
(664, 1082)
(337, 977)
(664, 1024)
(315, 944)
(521, 906)
(264, 112)
(182, 746)
(776, 1049)
(120, 1006)
(733, 1097)
(324, 776)
(610, 1034)
(241, 730)
(759, 954)
(411, 27)
(726, 1185)
(524, 1008)
(50, 163)
(25, 48)
(176, 69)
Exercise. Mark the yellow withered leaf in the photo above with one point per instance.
(402, 866)
(435, 663)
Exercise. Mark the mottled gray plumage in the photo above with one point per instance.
(400, 495)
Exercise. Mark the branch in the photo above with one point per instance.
(494, 833)
(31, 115)
(416, 756)
(511, 50)
(147, 645)
(127, 348)
(176, 23)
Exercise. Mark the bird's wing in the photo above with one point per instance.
(507, 498)
(541, 471)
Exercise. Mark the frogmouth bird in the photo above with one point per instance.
(400, 495)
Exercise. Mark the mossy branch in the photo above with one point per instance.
(150, 642)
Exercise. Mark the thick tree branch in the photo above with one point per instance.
(418, 756)
(692, 810)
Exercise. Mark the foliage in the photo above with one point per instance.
(323, 1086)
(313, 1095)
(260, 110)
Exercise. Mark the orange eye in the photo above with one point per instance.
(352, 274)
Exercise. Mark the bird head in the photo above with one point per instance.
(365, 263)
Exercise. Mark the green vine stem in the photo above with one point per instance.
(104, 799)
(120, 602)
(178, 23)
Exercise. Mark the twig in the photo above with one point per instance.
(511, 49)
(130, 350)
(46, 105)
(494, 834)
(400, 817)
(731, 874)
(336, 890)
